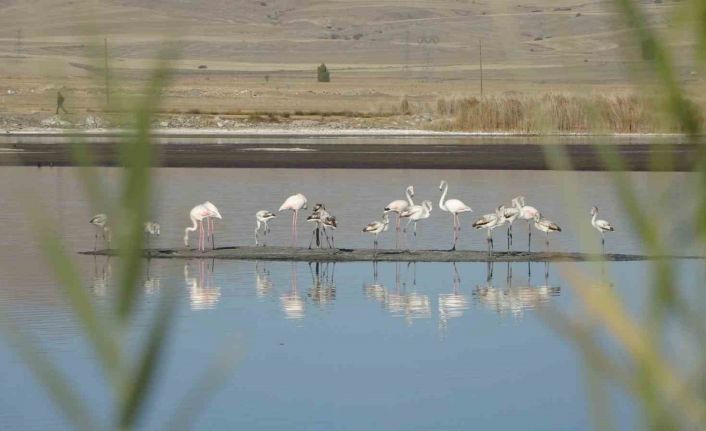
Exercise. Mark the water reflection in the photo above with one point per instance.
(263, 282)
(292, 303)
(515, 300)
(452, 305)
(323, 288)
(102, 273)
(203, 294)
(152, 283)
(401, 301)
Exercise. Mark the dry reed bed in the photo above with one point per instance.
(554, 113)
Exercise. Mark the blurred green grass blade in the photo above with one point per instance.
(207, 384)
(141, 380)
(99, 334)
(60, 389)
(137, 158)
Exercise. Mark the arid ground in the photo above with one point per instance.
(243, 63)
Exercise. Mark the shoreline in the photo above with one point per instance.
(359, 151)
(273, 253)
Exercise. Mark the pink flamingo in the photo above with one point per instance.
(214, 211)
(398, 207)
(294, 203)
(197, 215)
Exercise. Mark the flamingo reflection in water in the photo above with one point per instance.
(263, 284)
(203, 295)
(152, 284)
(292, 303)
(515, 300)
(398, 302)
(452, 305)
(101, 278)
(323, 288)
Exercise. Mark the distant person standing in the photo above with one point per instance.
(60, 102)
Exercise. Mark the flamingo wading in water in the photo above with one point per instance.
(601, 226)
(294, 203)
(455, 207)
(262, 217)
(398, 207)
(197, 215)
(100, 221)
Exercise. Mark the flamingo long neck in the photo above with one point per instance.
(190, 229)
(594, 217)
(408, 192)
(443, 197)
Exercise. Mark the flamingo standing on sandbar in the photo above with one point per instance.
(262, 217)
(511, 214)
(100, 221)
(490, 222)
(601, 226)
(377, 227)
(151, 229)
(545, 225)
(416, 213)
(528, 214)
(210, 222)
(455, 207)
(398, 207)
(294, 203)
(197, 215)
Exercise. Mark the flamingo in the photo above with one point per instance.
(197, 215)
(317, 217)
(528, 214)
(455, 207)
(294, 203)
(601, 225)
(329, 222)
(262, 217)
(100, 221)
(416, 213)
(490, 222)
(214, 211)
(377, 227)
(152, 229)
(545, 225)
(398, 207)
(511, 214)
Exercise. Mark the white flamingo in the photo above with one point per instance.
(416, 213)
(197, 215)
(100, 221)
(398, 207)
(455, 207)
(329, 222)
(601, 226)
(545, 225)
(262, 217)
(377, 227)
(210, 222)
(294, 203)
(528, 214)
(511, 214)
(490, 222)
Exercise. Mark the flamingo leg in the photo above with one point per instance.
(397, 232)
(296, 219)
(547, 243)
(313, 234)
(95, 242)
(211, 228)
(529, 239)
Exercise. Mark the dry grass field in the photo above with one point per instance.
(241, 62)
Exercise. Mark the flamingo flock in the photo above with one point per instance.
(204, 215)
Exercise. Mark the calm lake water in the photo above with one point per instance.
(426, 346)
